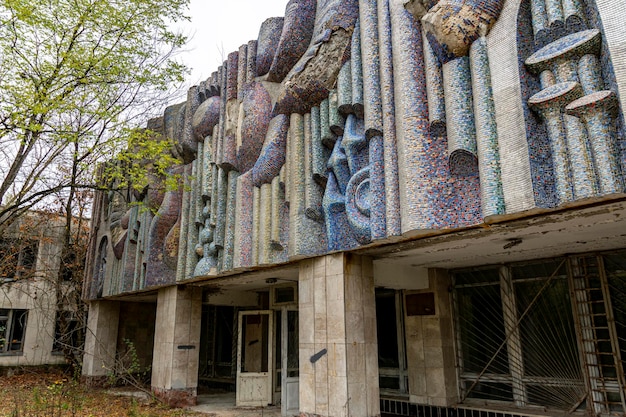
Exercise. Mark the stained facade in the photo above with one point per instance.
(39, 315)
(368, 156)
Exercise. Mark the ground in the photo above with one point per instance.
(53, 394)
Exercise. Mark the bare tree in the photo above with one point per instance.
(76, 77)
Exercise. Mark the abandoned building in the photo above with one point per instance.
(39, 299)
(405, 207)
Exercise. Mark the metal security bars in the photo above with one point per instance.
(549, 333)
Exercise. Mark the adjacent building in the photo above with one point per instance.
(39, 306)
(393, 206)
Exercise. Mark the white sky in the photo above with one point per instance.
(219, 27)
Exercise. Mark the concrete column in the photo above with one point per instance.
(338, 347)
(100, 341)
(430, 348)
(176, 345)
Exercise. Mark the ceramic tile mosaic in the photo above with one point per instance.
(251, 72)
(460, 128)
(435, 93)
(206, 117)
(313, 190)
(368, 19)
(492, 196)
(335, 119)
(191, 245)
(183, 237)
(267, 43)
(595, 110)
(294, 40)
(541, 179)
(306, 235)
(378, 125)
(389, 222)
(357, 70)
(315, 73)
(242, 69)
(577, 161)
(272, 156)
(255, 113)
(377, 194)
(453, 25)
(319, 152)
(344, 89)
(243, 252)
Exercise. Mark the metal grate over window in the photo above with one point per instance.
(516, 335)
(550, 333)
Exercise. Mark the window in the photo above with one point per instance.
(283, 295)
(17, 258)
(69, 264)
(545, 333)
(67, 332)
(12, 330)
(393, 377)
(516, 335)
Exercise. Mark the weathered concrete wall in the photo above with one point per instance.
(176, 347)
(36, 292)
(338, 346)
(430, 348)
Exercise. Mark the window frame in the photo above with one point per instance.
(68, 338)
(11, 317)
(23, 253)
(516, 378)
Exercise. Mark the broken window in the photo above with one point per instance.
(517, 340)
(17, 258)
(548, 333)
(393, 376)
(12, 330)
(67, 333)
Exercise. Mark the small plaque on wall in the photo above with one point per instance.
(422, 304)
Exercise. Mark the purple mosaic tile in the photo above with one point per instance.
(205, 118)
(251, 71)
(257, 109)
(232, 73)
(272, 157)
(267, 44)
(295, 37)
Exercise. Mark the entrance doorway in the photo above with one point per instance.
(254, 358)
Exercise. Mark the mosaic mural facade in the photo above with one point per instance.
(348, 123)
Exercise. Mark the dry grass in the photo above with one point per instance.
(53, 394)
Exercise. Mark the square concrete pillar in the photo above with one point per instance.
(100, 341)
(338, 346)
(177, 345)
(430, 348)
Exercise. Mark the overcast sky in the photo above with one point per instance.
(219, 27)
